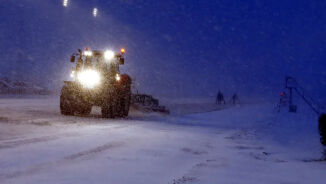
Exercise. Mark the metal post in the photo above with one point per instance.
(290, 100)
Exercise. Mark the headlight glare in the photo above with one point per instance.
(88, 53)
(117, 77)
(89, 78)
(108, 55)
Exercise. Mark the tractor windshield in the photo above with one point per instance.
(98, 63)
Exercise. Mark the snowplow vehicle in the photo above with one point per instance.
(96, 82)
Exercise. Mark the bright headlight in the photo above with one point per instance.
(89, 78)
(108, 55)
(88, 53)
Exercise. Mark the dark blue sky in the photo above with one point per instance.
(184, 47)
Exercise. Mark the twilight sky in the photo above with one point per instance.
(174, 48)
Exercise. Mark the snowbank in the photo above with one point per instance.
(8, 86)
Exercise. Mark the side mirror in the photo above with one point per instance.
(72, 58)
(122, 61)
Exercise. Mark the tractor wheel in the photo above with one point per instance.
(322, 129)
(66, 102)
(126, 104)
(124, 101)
(123, 106)
(84, 109)
(119, 108)
(107, 111)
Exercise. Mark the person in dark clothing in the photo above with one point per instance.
(284, 101)
(322, 129)
(220, 98)
(235, 99)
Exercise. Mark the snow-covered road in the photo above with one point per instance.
(38, 145)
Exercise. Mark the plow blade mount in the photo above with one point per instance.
(147, 103)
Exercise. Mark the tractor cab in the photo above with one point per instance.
(105, 63)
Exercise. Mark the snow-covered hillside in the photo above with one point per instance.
(8, 86)
(243, 144)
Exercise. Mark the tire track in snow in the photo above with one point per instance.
(66, 160)
(12, 144)
(92, 151)
(16, 143)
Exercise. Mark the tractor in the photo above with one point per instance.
(97, 82)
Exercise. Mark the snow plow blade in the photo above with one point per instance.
(147, 103)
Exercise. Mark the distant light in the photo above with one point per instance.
(95, 12)
(65, 3)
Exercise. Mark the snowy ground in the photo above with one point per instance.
(247, 144)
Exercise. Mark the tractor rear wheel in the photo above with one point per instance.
(126, 104)
(107, 111)
(84, 109)
(123, 106)
(125, 96)
(66, 102)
